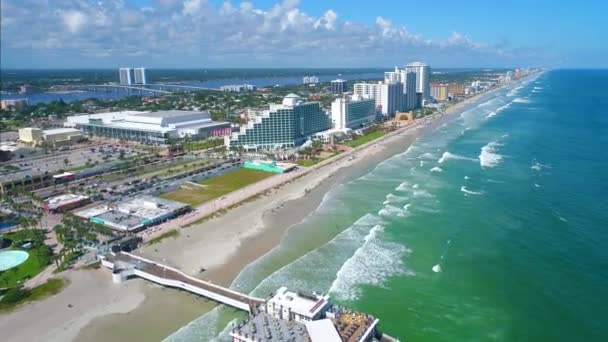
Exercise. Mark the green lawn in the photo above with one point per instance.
(20, 296)
(364, 138)
(217, 186)
(38, 260)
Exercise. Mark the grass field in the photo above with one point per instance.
(38, 260)
(51, 287)
(217, 186)
(364, 139)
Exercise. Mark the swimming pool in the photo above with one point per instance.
(10, 259)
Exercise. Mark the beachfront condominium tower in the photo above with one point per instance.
(423, 74)
(388, 96)
(284, 125)
(140, 75)
(352, 112)
(338, 86)
(125, 76)
(408, 79)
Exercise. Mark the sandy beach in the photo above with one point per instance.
(221, 245)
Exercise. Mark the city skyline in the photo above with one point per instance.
(291, 33)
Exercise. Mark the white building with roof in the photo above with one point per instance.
(296, 306)
(55, 136)
(155, 127)
(65, 202)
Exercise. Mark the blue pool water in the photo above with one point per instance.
(10, 259)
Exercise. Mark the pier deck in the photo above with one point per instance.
(125, 264)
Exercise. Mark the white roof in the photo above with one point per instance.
(58, 201)
(60, 131)
(65, 174)
(302, 305)
(161, 122)
(322, 330)
(92, 211)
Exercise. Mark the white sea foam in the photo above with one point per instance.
(514, 91)
(448, 156)
(488, 156)
(415, 186)
(437, 268)
(538, 88)
(466, 177)
(405, 186)
(204, 328)
(470, 192)
(426, 156)
(522, 100)
(390, 198)
(536, 166)
(498, 110)
(392, 211)
(372, 264)
(436, 169)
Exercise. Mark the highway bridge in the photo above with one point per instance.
(152, 88)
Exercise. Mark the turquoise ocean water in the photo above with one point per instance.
(494, 227)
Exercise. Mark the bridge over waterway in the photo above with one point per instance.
(151, 88)
(124, 265)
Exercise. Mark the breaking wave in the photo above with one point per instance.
(436, 169)
(374, 262)
(447, 156)
(393, 211)
(390, 198)
(470, 192)
(488, 156)
(522, 100)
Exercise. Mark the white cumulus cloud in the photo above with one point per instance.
(196, 32)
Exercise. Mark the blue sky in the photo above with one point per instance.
(306, 33)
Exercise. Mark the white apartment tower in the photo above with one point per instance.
(389, 96)
(124, 75)
(140, 75)
(423, 73)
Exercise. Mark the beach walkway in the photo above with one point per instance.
(125, 265)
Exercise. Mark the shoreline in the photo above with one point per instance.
(223, 245)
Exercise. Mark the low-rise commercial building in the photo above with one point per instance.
(150, 127)
(284, 125)
(65, 202)
(56, 136)
(134, 214)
